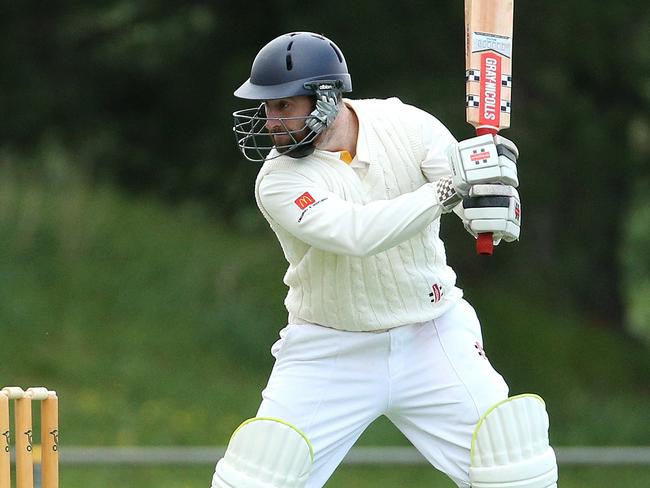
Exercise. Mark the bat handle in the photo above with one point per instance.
(484, 243)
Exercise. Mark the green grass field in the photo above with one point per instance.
(345, 477)
(154, 324)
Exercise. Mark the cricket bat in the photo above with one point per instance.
(488, 73)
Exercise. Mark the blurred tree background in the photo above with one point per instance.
(140, 93)
(116, 109)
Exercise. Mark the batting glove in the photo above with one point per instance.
(327, 108)
(484, 159)
(495, 209)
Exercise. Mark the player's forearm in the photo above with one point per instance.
(341, 227)
(364, 230)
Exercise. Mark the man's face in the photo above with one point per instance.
(287, 109)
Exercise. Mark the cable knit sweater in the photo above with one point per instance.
(362, 240)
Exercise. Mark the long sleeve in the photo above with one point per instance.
(327, 222)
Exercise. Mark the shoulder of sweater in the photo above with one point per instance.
(393, 107)
(375, 104)
(407, 119)
(389, 110)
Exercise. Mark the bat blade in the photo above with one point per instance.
(488, 72)
(488, 63)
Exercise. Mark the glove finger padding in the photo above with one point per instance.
(495, 209)
(328, 104)
(327, 109)
(484, 159)
(503, 143)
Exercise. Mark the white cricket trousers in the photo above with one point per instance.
(432, 380)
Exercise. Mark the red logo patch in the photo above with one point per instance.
(436, 293)
(304, 201)
(476, 157)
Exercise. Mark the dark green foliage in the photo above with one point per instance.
(140, 94)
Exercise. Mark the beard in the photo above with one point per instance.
(297, 144)
(285, 141)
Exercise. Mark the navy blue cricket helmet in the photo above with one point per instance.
(295, 64)
(285, 64)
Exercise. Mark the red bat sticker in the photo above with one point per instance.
(490, 89)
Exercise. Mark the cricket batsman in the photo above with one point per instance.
(355, 191)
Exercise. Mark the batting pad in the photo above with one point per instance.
(265, 453)
(510, 446)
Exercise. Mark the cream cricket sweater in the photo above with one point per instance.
(362, 240)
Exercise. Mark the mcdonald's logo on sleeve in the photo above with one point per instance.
(304, 201)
